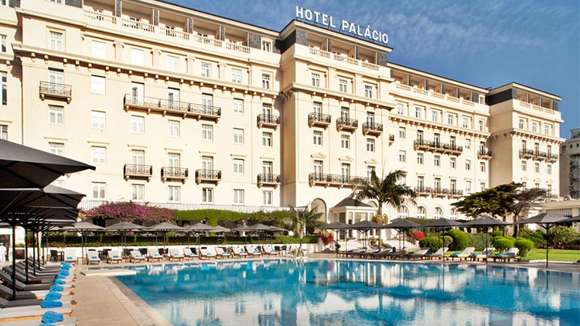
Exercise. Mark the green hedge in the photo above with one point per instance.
(503, 243)
(213, 216)
(461, 240)
(524, 245)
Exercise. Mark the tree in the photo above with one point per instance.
(306, 221)
(386, 191)
(501, 201)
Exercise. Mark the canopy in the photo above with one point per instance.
(25, 167)
(86, 227)
(48, 197)
(484, 221)
(335, 226)
(125, 226)
(277, 229)
(219, 229)
(258, 227)
(165, 227)
(401, 223)
(545, 218)
(199, 227)
(574, 219)
(442, 223)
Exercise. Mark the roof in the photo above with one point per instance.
(525, 88)
(351, 202)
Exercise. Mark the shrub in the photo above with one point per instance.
(562, 237)
(213, 216)
(461, 239)
(537, 236)
(432, 242)
(480, 241)
(524, 245)
(503, 243)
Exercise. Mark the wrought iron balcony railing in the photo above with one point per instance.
(319, 120)
(137, 171)
(55, 91)
(174, 173)
(207, 176)
(268, 121)
(346, 124)
(170, 106)
(267, 179)
(372, 128)
(438, 147)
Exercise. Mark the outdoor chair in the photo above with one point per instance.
(70, 255)
(153, 254)
(463, 254)
(93, 257)
(206, 252)
(176, 253)
(136, 256)
(510, 254)
(115, 256)
(187, 253)
(439, 254)
(484, 254)
(221, 252)
(239, 252)
(251, 250)
(419, 254)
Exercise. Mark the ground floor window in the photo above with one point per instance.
(207, 195)
(267, 197)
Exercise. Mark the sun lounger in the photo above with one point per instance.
(221, 252)
(6, 292)
(187, 253)
(70, 255)
(153, 254)
(30, 312)
(251, 250)
(68, 321)
(418, 254)
(115, 255)
(20, 286)
(176, 253)
(206, 252)
(510, 254)
(484, 254)
(32, 279)
(463, 254)
(136, 256)
(439, 254)
(93, 257)
(239, 252)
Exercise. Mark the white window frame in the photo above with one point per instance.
(207, 133)
(100, 189)
(98, 85)
(98, 119)
(55, 114)
(137, 124)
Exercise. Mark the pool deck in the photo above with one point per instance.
(102, 300)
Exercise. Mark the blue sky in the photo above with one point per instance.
(484, 42)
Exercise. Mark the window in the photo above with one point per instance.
(453, 214)
(467, 187)
(317, 109)
(453, 141)
(3, 88)
(481, 124)
(267, 197)
(438, 213)
(137, 192)
(318, 169)
(207, 132)
(437, 139)
(3, 47)
(206, 69)
(467, 165)
(370, 170)
(468, 143)
(421, 182)
(207, 195)
(345, 172)
(56, 40)
(421, 212)
(420, 158)
(371, 118)
(437, 184)
(238, 136)
(401, 108)
(266, 81)
(98, 120)
(369, 91)
(481, 186)
(466, 123)
(172, 63)
(137, 157)
(237, 76)
(418, 112)
(524, 165)
(435, 115)
(453, 185)
(137, 124)
(55, 114)
(97, 85)
(173, 128)
(549, 169)
(402, 132)
(450, 119)
(482, 167)
(345, 141)
(437, 160)
(174, 193)
(98, 189)
(453, 162)
(239, 195)
(402, 156)
(403, 212)
(420, 136)
(238, 166)
(267, 45)
(370, 144)
(56, 148)
(137, 56)
(342, 85)
(267, 139)
(98, 154)
(315, 77)
(4, 132)
(537, 167)
(99, 49)
(238, 105)
(317, 137)
(137, 92)
(522, 124)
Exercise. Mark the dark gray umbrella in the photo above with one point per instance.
(401, 224)
(83, 227)
(25, 167)
(547, 221)
(165, 227)
(484, 222)
(365, 226)
(199, 228)
(49, 196)
(277, 229)
(219, 229)
(574, 219)
(442, 223)
(123, 228)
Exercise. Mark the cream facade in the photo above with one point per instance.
(570, 166)
(184, 109)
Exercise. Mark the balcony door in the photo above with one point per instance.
(317, 110)
(371, 118)
(267, 110)
(207, 163)
(207, 102)
(137, 92)
(345, 114)
(174, 160)
(345, 172)
(267, 169)
(318, 170)
(173, 95)
(137, 157)
(437, 139)
(56, 79)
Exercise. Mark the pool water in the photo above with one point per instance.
(328, 292)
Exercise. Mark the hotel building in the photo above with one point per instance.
(186, 109)
(570, 166)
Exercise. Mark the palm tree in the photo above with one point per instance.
(387, 191)
(305, 221)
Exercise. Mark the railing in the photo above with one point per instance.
(439, 192)
(318, 119)
(432, 93)
(437, 146)
(206, 175)
(200, 111)
(268, 179)
(552, 157)
(137, 171)
(455, 193)
(100, 19)
(333, 180)
(484, 154)
(55, 90)
(346, 124)
(268, 120)
(173, 172)
(422, 190)
(344, 58)
(372, 128)
(527, 105)
(526, 153)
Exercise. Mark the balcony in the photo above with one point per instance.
(268, 180)
(167, 106)
(455, 193)
(526, 153)
(552, 157)
(207, 176)
(174, 173)
(484, 154)
(372, 129)
(319, 120)
(333, 180)
(55, 91)
(437, 147)
(439, 192)
(343, 58)
(346, 124)
(137, 171)
(422, 191)
(268, 121)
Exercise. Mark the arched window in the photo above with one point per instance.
(403, 212)
(453, 214)
(421, 212)
(438, 212)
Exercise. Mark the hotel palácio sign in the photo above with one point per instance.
(342, 26)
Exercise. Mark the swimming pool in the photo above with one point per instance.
(329, 292)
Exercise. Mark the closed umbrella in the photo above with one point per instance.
(401, 224)
(547, 221)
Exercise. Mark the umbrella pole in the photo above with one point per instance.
(547, 244)
(26, 253)
(13, 261)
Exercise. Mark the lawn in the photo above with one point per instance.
(555, 255)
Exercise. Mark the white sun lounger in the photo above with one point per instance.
(115, 255)
(153, 254)
(70, 255)
(220, 252)
(136, 256)
(464, 254)
(238, 251)
(93, 257)
(188, 253)
(176, 253)
(251, 250)
(206, 252)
